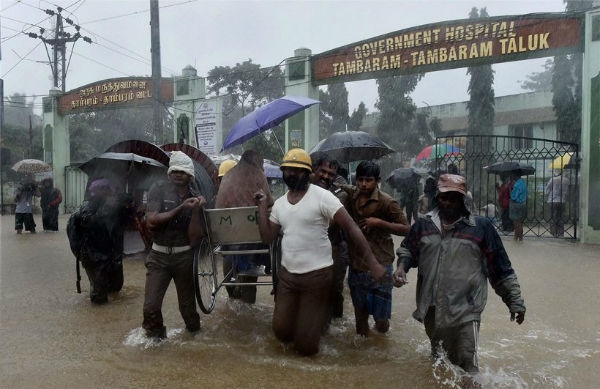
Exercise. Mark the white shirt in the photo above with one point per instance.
(305, 246)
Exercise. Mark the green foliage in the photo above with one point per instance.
(19, 139)
(357, 117)
(397, 126)
(540, 81)
(333, 109)
(481, 92)
(91, 133)
(249, 86)
(566, 106)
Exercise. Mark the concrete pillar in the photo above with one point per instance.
(56, 132)
(199, 118)
(590, 131)
(302, 129)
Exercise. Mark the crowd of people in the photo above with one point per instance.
(333, 234)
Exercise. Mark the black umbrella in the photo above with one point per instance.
(127, 169)
(352, 146)
(510, 166)
(401, 177)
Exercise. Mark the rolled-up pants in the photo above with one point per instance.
(160, 269)
(301, 306)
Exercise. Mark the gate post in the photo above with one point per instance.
(590, 128)
(56, 142)
(302, 129)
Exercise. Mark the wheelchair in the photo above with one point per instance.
(226, 230)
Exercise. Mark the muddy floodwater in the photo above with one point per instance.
(52, 337)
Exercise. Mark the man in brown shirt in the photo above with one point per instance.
(379, 216)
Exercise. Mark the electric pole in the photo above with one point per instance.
(59, 46)
(156, 76)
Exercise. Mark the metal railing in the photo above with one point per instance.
(548, 157)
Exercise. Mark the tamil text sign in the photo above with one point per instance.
(447, 45)
(114, 93)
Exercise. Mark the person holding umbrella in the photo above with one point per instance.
(518, 207)
(24, 195)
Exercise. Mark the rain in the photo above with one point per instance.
(413, 125)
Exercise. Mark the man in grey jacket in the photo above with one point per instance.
(456, 254)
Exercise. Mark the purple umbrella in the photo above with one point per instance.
(272, 169)
(266, 117)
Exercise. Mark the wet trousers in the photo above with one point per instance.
(459, 342)
(24, 219)
(105, 277)
(301, 304)
(160, 270)
(340, 267)
(50, 219)
(557, 221)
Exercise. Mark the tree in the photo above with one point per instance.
(357, 117)
(333, 109)
(249, 86)
(540, 81)
(396, 125)
(481, 94)
(566, 107)
(22, 131)
(91, 133)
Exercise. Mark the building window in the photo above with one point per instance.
(522, 131)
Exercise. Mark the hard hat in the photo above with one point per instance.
(226, 166)
(297, 158)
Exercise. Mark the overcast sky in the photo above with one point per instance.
(206, 34)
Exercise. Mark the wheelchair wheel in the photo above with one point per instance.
(205, 277)
(275, 261)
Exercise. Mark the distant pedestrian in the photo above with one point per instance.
(24, 196)
(409, 198)
(557, 190)
(504, 188)
(50, 200)
(518, 204)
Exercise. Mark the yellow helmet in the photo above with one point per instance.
(226, 166)
(297, 158)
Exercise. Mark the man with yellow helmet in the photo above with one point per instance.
(303, 215)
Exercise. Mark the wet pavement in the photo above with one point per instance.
(52, 337)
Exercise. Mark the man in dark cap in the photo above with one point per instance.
(456, 254)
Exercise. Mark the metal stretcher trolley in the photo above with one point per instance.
(226, 227)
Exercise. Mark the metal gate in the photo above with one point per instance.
(548, 157)
(75, 184)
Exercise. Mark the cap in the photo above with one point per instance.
(179, 161)
(452, 183)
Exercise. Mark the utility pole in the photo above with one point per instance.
(59, 46)
(156, 76)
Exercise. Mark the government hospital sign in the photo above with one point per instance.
(463, 43)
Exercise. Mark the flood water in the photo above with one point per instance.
(52, 337)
